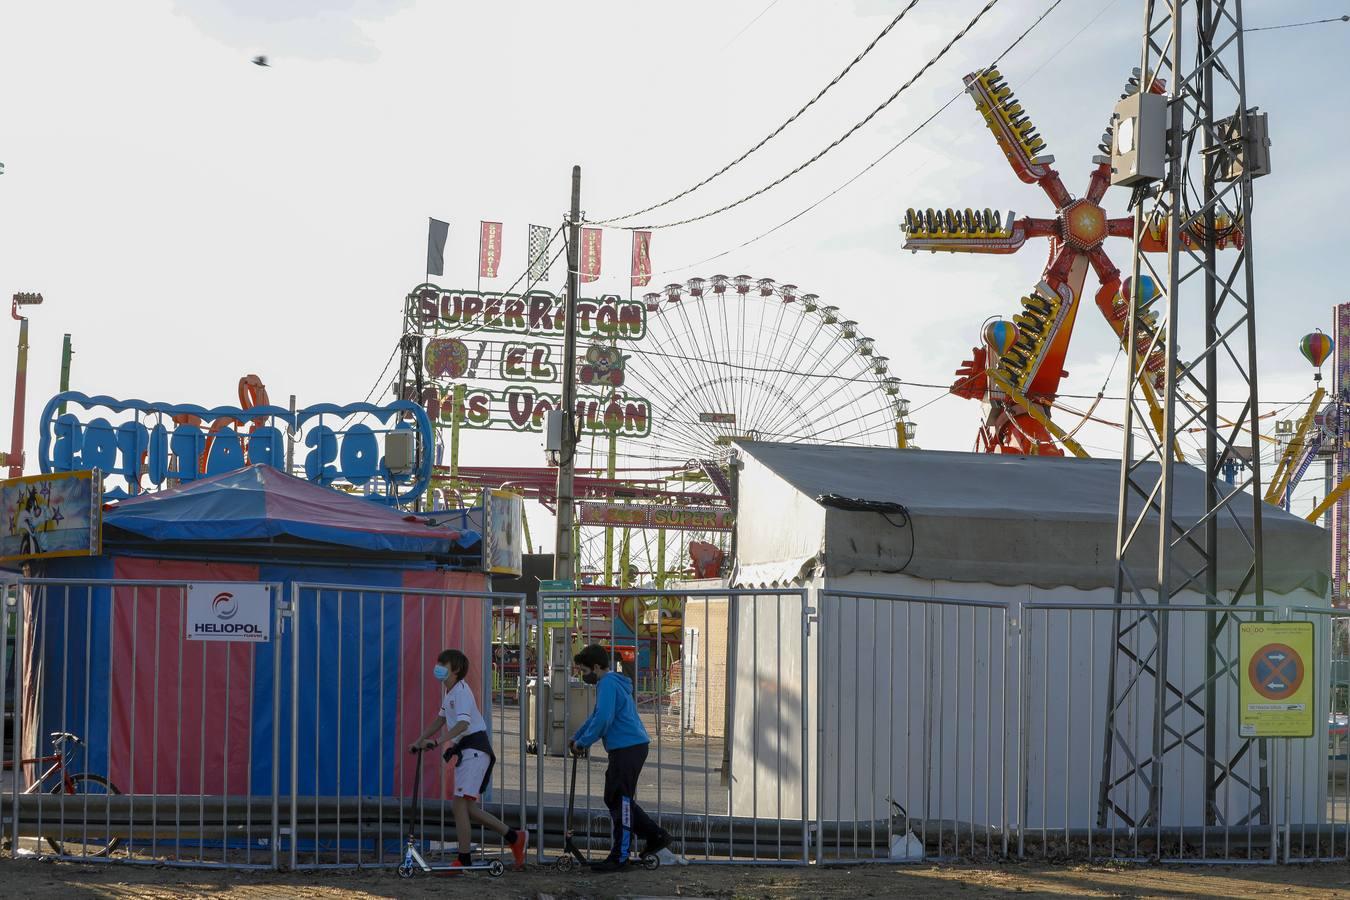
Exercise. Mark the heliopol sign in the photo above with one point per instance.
(229, 611)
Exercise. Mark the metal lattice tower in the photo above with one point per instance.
(1195, 47)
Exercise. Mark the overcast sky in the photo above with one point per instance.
(190, 217)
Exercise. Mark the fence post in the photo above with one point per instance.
(808, 613)
(295, 719)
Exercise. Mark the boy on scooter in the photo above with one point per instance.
(615, 720)
(472, 751)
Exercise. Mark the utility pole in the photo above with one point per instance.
(564, 558)
(66, 354)
(14, 459)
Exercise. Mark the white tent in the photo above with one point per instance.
(934, 679)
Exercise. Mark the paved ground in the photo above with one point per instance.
(683, 772)
(75, 882)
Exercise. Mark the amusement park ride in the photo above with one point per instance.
(1016, 374)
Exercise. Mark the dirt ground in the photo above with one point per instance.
(23, 878)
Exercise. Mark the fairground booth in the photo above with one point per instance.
(206, 633)
(966, 662)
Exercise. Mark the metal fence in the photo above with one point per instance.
(787, 727)
(130, 742)
(363, 691)
(914, 746)
(720, 682)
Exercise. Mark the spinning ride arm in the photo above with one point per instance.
(1015, 133)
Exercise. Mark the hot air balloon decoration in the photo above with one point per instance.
(1316, 347)
(1000, 334)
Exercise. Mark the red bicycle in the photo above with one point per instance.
(70, 783)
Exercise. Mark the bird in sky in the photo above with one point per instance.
(260, 61)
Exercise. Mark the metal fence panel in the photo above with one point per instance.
(915, 739)
(720, 682)
(131, 742)
(1179, 783)
(361, 690)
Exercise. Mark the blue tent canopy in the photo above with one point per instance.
(261, 503)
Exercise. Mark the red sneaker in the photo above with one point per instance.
(518, 848)
(454, 868)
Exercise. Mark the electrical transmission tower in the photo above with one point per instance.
(1197, 191)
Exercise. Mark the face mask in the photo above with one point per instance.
(590, 678)
(440, 673)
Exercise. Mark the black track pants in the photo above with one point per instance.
(621, 778)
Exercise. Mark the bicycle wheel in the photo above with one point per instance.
(87, 783)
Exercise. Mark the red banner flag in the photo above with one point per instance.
(489, 248)
(642, 258)
(590, 254)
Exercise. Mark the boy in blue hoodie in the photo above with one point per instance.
(615, 720)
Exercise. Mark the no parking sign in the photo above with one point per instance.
(1276, 671)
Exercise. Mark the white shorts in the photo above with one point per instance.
(470, 771)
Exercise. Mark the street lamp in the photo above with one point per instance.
(14, 458)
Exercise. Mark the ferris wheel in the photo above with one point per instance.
(727, 359)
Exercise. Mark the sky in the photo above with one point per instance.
(190, 217)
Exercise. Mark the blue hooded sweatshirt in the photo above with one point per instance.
(615, 716)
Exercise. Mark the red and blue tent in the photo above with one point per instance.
(105, 654)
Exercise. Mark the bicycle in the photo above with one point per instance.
(69, 783)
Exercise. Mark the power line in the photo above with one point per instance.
(837, 141)
(1299, 24)
(750, 24)
(777, 131)
(870, 166)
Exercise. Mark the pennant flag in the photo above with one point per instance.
(437, 232)
(489, 248)
(642, 258)
(539, 261)
(590, 254)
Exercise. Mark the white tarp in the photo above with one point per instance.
(1006, 520)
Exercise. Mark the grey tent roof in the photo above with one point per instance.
(1015, 519)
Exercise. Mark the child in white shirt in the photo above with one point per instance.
(472, 750)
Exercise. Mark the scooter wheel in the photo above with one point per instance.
(496, 869)
(651, 862)
(563, 863)
(405, 870)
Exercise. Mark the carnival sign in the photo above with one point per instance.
(503, 532)
(680, 518)
(47, 516)
(525, 409)
(539, 314)
(154, 445)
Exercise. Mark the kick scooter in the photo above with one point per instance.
(572, 855)
(413, 860)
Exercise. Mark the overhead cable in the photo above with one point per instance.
(837, 141)
(777, 131)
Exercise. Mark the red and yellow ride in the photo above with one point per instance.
(1018, 385)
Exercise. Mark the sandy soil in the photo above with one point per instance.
(22, 878)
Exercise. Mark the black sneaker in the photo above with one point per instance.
(608, 864)
(656, 845)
